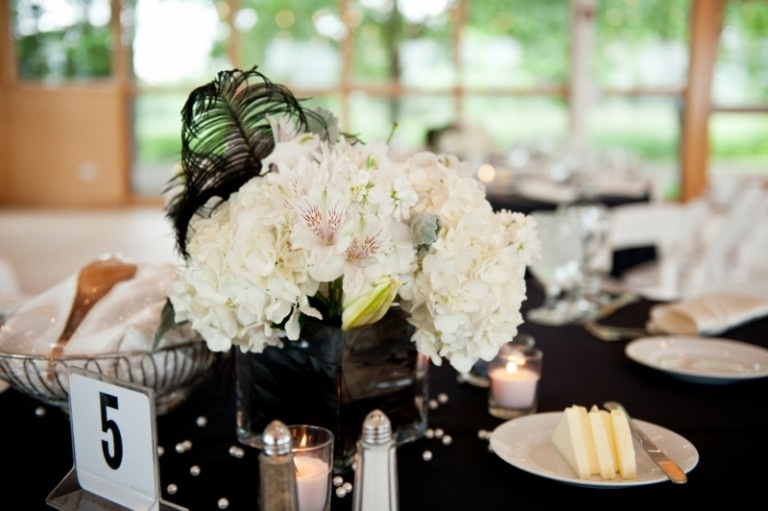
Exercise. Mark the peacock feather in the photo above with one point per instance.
(225, 135)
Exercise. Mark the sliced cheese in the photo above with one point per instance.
(623, 445)
(588, 440)
(568, 438)
(602, 436)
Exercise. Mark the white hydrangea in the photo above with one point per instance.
(325, 212)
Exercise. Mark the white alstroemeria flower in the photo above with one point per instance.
(371, 305)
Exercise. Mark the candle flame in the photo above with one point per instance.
(303, 442)
(511, 367)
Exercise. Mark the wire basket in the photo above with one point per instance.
(172, 372)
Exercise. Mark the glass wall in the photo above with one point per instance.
(500, 65)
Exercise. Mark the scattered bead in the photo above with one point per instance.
(438, 433)
(223, 503)
(483, 434)
(172, 489)
(432, 404)
(180, 447)
(194, 470)
(429, 433)
(338, 481)
(347, 486)
(236, 451)
(202, 421)
(426, 455)
(447, 440)
(160, 450)
(341, 492)
(442, 398)
(40, 411)
(187, 444)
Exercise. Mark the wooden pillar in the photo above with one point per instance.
(706, 24)
(580, 84)
(7, 77)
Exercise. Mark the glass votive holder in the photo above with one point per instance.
(514, 381)
(312, 448)
(478, 373)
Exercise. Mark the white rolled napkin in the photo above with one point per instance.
(707, 314)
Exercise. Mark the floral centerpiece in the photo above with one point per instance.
(285, 222)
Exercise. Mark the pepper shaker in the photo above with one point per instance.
(277, 486)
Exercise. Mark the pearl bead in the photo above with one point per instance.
(438, 433)
(429, 433)
(341, 492)
(172, 489)
(202, 421)
(338, 481)
(160, 450)
(223, 503)
(347, 486)
(194, 470)
(432, 404)
(442, 398)
(447, 440)
(236, 451)
(40, 411)
(426, 455)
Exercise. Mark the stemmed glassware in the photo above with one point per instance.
(593, 226)
(557, 270)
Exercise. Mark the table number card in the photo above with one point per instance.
(114, 442)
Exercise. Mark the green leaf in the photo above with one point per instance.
(167, 322)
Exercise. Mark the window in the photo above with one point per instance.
(507, 66)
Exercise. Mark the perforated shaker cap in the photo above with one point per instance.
(377, 428)
(276, 439)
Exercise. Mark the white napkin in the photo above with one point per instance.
(545, 190)
(124, 319)
(708, 314)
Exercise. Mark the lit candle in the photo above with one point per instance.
(312, 480)
(513, 386)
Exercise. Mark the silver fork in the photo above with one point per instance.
(614, 333)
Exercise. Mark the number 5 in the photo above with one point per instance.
(108, 425)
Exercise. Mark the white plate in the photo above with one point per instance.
(700, 359)
(524, 443)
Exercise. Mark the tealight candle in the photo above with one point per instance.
(312, 476)
(312, 447)
(514, 381)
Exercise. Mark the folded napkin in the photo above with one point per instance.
(708, 314)
(108, 306)
(545, 190)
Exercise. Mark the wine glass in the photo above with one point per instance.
(593, 225)
(557, 270)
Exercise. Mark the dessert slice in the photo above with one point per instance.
(623, 445)
(602, 435)
(574, 442)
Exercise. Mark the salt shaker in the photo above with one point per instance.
(277, 469)
(375, 487)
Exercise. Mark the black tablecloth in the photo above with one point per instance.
(727, 424)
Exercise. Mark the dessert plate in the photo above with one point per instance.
(524, 443)
(701, 359)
